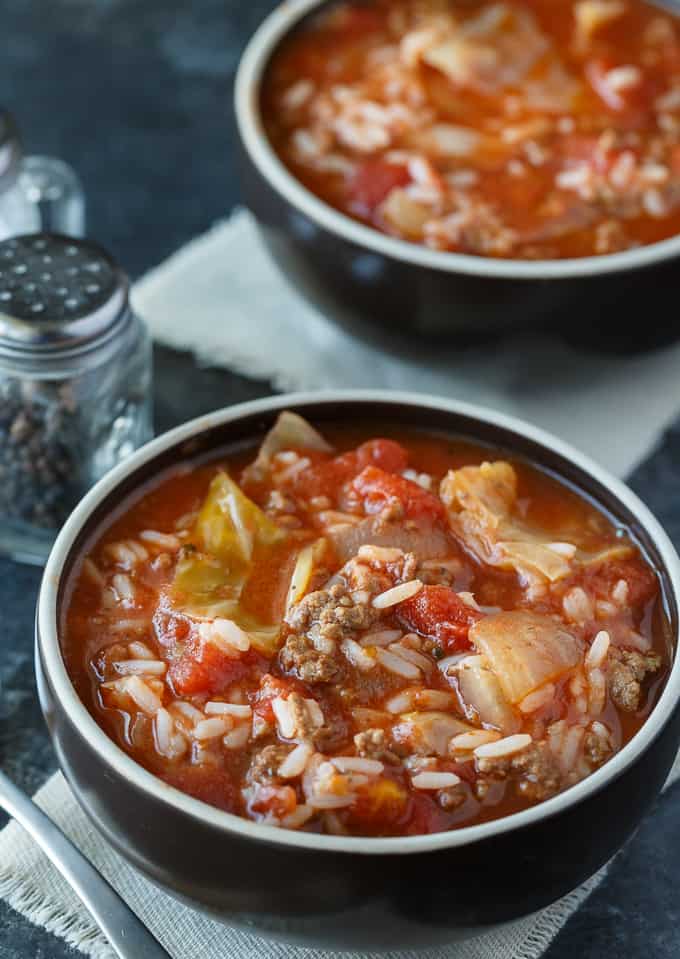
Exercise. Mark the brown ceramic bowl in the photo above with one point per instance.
(399, 292)
(337, 891)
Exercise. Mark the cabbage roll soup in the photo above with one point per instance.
(365, 632)
(532, 129)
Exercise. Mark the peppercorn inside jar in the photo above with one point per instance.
(75, 383)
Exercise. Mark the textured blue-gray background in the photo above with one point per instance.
(136, 94)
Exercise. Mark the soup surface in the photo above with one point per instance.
(525, 129)
(374, 636)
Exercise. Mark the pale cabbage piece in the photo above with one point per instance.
(493, 50)
(480, 689)
(480, 501)
(592, 15)
(428, 733)
(448, 139)
(526, 650)
(211, 573)
(290, 432)
(307, 560)
(425, 540)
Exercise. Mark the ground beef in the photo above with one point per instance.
(436, 575)
(597, 748)
(533, 770)
(333, 612)
(264, 766)
(375, 744)
(625, 675)
(298, 657)
(305, 727)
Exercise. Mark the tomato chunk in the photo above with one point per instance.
(439, 613)
(372, 181)
(203, 668)
(379, 488)
(327, 477)
(274, 801)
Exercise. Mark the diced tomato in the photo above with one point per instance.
(372, 181)
(378, 488)
(203, 668)
(385, 454)
(326, 478)
(274, 800)
(438, 612)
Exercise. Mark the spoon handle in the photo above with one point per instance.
(128, 936)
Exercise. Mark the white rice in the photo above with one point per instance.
(382, 637)
(296, 761)
(397, 665)
(226, 635)
(356, 764)
(358, 656)
(331, 802)
(125, 591)
(188, 711)
(577, 605)
(285, 719)
(402, 702)
(597, 697)
(623, 78)
(466, 742)
(597, 653)
(411, 656)
(237, 738)
(503, 747)
(214, 708)
(469, 599)
(165, 541)
(140, 651)
(620, 592)
(428, 780)
(123, 554)
(140, 667)
(141, 694)
(211, 728)
(164, 728)
(398, 594)
(537, 699)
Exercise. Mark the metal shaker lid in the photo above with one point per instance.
(57, 293)
(10, 150)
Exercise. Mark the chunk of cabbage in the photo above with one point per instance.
(428, 733)
(480, 689)
(290, 432)
(525, 650)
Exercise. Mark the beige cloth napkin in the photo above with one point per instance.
(221, 297)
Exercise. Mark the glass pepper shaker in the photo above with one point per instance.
(75, 382)
(36, 192)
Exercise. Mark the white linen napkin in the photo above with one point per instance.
(221, 297)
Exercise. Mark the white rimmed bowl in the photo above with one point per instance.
(349, 892)
(380, 286)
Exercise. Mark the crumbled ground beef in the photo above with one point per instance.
(264, 766)
(375, 744)
(305, 727)
(333, 612)
(435, 575)
(625, 675)
(533, 770)
(298, 657)
(597, 747)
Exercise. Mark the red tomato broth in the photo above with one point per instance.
(221, 776)
(519, 201)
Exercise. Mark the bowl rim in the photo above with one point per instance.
(123, 765)
(251, 68)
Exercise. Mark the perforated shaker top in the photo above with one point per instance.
(57, 292)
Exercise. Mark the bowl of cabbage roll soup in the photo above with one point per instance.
(415, 657)
(447, 166)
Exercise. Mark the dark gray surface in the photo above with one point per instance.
(136, 95)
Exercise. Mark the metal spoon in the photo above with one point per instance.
(128, 936)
